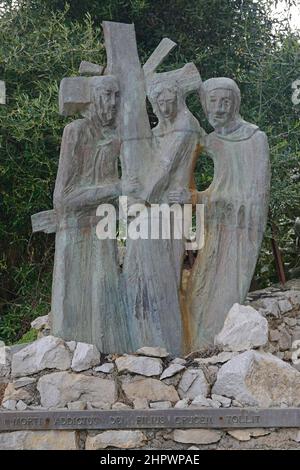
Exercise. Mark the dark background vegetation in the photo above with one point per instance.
(42, 41)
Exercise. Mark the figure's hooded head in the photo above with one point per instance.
(105, 95)
(166, 99)
(221, 99)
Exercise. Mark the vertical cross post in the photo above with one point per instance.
(123, 62)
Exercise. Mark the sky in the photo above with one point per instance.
(295, 13)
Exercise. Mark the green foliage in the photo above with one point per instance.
(29, 337)
(41, 41)
(31, 300)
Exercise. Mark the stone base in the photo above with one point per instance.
(194, 439)
(260, 370)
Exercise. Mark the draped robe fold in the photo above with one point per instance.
(236, 206)
(86, 298)
(152, 268)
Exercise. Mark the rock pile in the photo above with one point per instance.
(253, 364)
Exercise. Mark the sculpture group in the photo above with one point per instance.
(112, 151)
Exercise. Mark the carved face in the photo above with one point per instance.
(167, 103)
(220, 107)
(106, 97)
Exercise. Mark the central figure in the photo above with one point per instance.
(152, 268)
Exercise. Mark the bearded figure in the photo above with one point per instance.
(86, 296)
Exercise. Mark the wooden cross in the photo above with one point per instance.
(134, 127)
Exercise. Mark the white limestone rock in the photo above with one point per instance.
(141, 365)
(193, 383)
(39, 440)
(244, 328)
(285, 340)
(200, 401)
(274, 335)
(98, 405)
(120, 406)
(37, 408)
(246, 434)
(258, 432)
(45, 353)
(220, 358)
(150, 389)
(12, 393)
(77, 405)
(196, 436)
(23, 382)
(240, 434)
(21, 405)
(160, 405)
(119, 439)
(296, 334)
(140, 404)
(172, 370)
(182, 404)
(5, 360)
(41, 323)
(237, 404)
(290, 321)
(85, 356)
(259, 379)
(59, 388)
(296, 436)
(269, 306)
(71, 345)
(178, 360)
(225, 402)
(105, 368)
(153, 352)
(293, 296)
(9, 405)
(284, 306)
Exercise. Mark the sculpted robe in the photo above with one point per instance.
(86, 298)
(152, 268)
(236, 206)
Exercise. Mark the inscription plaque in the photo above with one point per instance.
(143, 419)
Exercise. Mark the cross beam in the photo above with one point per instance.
(134, 127)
